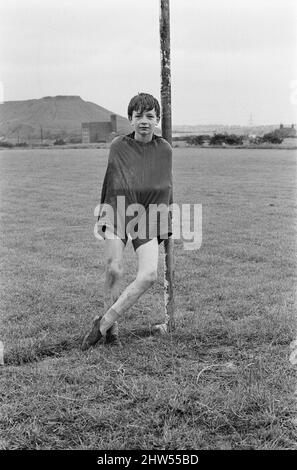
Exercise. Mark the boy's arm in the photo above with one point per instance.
(111, 156)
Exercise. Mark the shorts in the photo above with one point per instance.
(136, 242)
(145, 228)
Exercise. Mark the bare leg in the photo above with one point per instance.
(147, 256)
(114, 248)
(113, 275)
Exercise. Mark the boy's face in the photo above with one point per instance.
(144, 123)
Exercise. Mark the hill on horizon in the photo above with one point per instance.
(61, 116)
(52, 117)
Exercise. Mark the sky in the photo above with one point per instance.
(232, 61)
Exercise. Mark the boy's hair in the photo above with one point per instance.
(143, 102)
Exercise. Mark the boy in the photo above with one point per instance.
(139, 174)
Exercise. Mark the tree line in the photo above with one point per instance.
(229, 139)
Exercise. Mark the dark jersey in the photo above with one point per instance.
(137, 173)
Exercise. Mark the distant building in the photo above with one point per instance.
(105, 130)
(285, 131)
(98, 131)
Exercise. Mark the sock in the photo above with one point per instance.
(108, 320)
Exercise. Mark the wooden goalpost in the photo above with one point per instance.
(167, 134)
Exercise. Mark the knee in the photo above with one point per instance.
(114, 269)
(147, 278)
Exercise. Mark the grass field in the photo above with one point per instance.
(222, 380)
